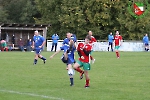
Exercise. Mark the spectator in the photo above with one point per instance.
(110, 41)
(13, 41)
(55, 39)
(4, 45)
(146, 42)
(21, 44)
(29, 45)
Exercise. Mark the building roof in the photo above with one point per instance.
(24, 26)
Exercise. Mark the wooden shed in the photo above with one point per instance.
(13, 32)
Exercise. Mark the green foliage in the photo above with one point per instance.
(79, 16)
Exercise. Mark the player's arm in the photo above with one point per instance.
(43, 43)
(86, 52)
(54, 54)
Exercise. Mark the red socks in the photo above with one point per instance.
(79, 70)
(87, 82)
(117, 54)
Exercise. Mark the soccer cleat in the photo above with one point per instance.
(93, 61)
(86, 86)
(44, 61)
(81, 75)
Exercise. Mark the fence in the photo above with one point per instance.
(103, 45)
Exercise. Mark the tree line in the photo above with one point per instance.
(80, 16)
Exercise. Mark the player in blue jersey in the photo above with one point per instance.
(38, 43)
(110, 41)
(68, 58)
(146, 42)
(69, 36)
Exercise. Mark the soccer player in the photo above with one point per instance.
(84, 50)
(68, 58)
(92, 41)
(110, 41)
(146, 42)
(69, 37)
(38, 43)
(117, 43)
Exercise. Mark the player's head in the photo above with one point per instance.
(36, 33)
(110, 33)
(87, 39)
(68, 35)
(90, 33)
(117, 32)
(146, 35)
(71, 43)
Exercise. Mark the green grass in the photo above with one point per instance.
(127, 78)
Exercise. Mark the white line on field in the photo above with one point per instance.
(31, 94)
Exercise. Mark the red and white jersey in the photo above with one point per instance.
(117, 40)
(93, 40)
(86, 47)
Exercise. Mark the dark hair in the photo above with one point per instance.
(88, 37)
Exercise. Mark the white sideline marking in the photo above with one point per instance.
(31, 94)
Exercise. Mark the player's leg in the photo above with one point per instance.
(70, 73)
(77, 66)
(40, 56)
(86, 67)
(35, 58)
(117, 51)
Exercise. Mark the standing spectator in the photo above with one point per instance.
(110, 41)
(84, 50)
(146, 42)
(117, 43)
(55, 39)
(21, 44)
(13, 41)
(38, 43)
(29, 45)
(92, 41)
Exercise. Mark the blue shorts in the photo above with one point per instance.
(68, 61)
(146, 44)
(38, 51)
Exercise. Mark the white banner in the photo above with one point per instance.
(103, 46)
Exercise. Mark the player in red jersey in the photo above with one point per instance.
(117, 43)
(84, 50)
(92, 41)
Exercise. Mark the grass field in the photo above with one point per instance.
(127, 78)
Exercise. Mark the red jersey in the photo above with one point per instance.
(86, 47)
(92, 39)
(117, 39)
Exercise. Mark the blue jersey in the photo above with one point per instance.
(110, 38)
(145, 39)
(74, 38)
(38, 41)
(70, 53)
(55, 38)
(66, 41)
